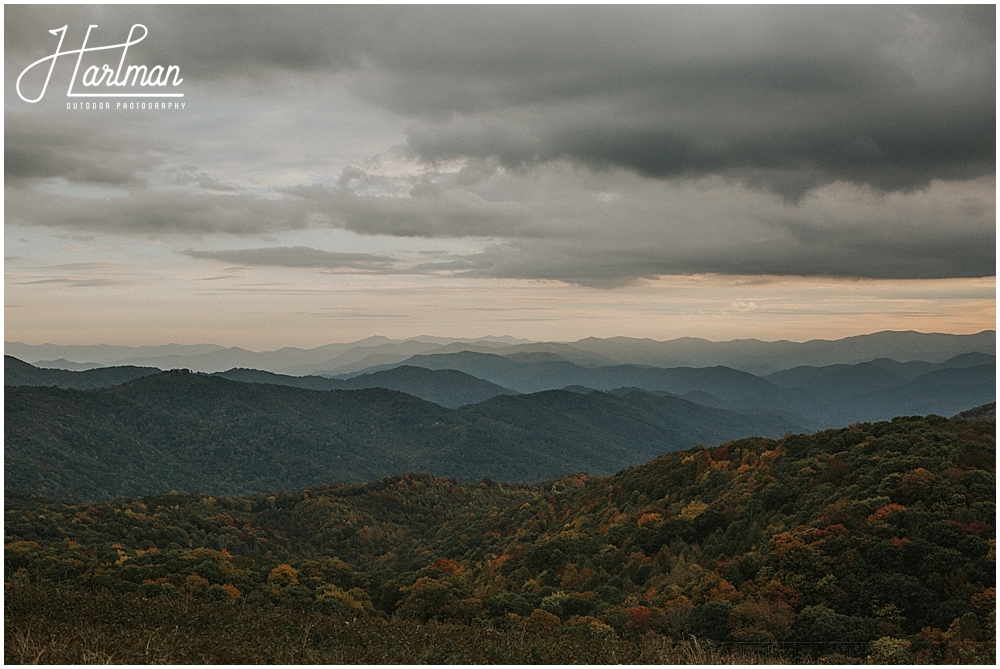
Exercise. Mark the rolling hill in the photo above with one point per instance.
(813, 397)
(532, 373)
(187, 431)
(19, 373)
(868, 544)
(807, 396)
(447, 387)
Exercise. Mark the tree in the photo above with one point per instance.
(826, 631)
(711, 621)
(283, 576)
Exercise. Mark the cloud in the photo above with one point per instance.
(427, 210)
(743, 306)
(714, 227)
(197, 179)
(779, 98)
(300, 257)
(208, 43)
(157, 212)
(562, 224)
(591, 145)
(39, 148)
(78, 275)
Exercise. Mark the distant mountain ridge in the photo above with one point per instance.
(105, 354)
(19, 373)
(814, 397)
(807, 396)
(760, 357)
(537, 372)
(749, 355)
(447, 387)
(188, 431)
(892, 371)
(64, 364)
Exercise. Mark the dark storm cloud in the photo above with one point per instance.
(840, 256)
(782, 98)
(840, 230)
(78, 150)
(301, 257)
(208, 43)
(837, 141)
(779, 98)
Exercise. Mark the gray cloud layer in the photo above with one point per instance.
(782, 98)
(300, 256)
(840, 230)
(156, 213)
(78, 150)
(600, 144)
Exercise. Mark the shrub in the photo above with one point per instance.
(886, 650)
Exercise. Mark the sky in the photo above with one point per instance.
(551, 173)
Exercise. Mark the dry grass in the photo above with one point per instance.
(109, 628)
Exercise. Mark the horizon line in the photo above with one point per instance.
(520, 340)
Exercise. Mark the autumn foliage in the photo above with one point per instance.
(870, 543)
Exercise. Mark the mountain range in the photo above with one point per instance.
(750, 355)
(19, 373)
(807, 396)
(189, 431)
(447, 387)
(447, 487)
(813, 397)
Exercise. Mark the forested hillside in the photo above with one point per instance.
(197, 433)
(806, 396)
(814, 397)
(447, 387)
(19, 373)
(873, 542)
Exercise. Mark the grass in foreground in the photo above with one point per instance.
(69, 626)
